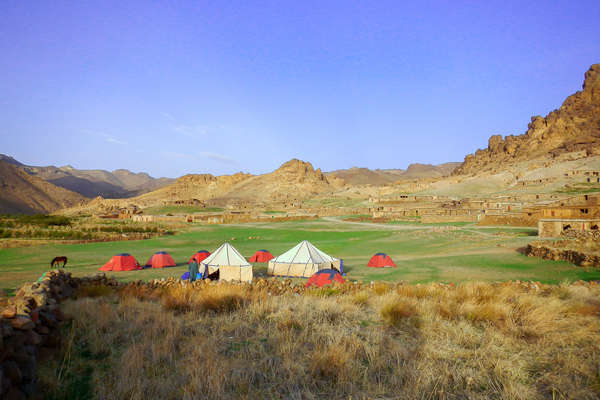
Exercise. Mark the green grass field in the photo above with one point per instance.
(422, 254)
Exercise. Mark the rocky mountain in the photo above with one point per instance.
(378, 177)
(23, 193)
(91, 183)
(295, 179)
(574, 127)
(419, 171)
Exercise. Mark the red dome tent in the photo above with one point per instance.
(381, 260)
(200, 256)
(261, 256)
(121, 262)
(160, 259)
(324, 277)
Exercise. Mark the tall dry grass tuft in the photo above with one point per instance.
(397, 310)
(94, 291)
(219, 298)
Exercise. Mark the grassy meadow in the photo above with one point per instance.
(422, 253)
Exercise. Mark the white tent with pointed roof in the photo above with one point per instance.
(303, 260)
(232, 266)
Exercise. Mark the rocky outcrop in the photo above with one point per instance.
(574, 127)
(299, 171)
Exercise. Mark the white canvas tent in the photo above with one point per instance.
(303, 260)
(231, 264)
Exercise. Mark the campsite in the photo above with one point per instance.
(300, 200)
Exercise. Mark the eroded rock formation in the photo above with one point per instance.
(574, 127)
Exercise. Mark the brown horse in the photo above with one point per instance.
(57, 260)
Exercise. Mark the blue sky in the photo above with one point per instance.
(217, 87)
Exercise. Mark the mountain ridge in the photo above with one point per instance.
(120, 183)
(24, 193)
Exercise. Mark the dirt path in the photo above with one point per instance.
(375, 225)
(400, 227)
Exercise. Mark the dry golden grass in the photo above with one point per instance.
(475, 341)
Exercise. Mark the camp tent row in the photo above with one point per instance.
(303, 260)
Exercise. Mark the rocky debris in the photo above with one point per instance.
(593, 235)
(574, 127)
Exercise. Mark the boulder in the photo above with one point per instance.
(12, 372)
(9, 312)
(22, 322)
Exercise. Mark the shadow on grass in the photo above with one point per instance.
(522, 250)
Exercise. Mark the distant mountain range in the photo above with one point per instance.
(120, 183)
(21, 193)
(377, 177)
(573, 130)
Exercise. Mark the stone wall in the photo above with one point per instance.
(509, 220)
(29, 325)
(551, 251)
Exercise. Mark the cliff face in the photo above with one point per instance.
(575, 126)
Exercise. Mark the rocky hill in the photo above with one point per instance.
(120, 183)
(23, 193)
(295, 179)
(379, 177)
(574, 127)
(366, 176)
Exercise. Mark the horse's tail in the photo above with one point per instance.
(66, 259)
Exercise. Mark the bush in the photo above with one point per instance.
(396, 311)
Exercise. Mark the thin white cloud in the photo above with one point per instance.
(201, 155)
(217, 157)
(191, 130)
(107, 138)
(167, 116)
(110, 139)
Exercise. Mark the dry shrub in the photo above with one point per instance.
(218, 298)
(449, 310)
(396, 311)
(329, 363)
(326, 291)
(141, 292)
(94, 291)
(589, 309)
(381, 288)
(417, 291)
(361, 298)
(492, 313)
(289, 323)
